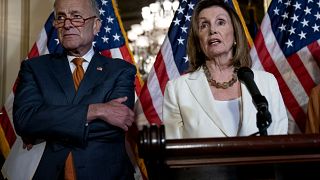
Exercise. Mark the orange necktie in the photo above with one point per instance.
(78, 73)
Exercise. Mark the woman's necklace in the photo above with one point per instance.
(220, 85)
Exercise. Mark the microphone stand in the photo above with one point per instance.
(263, 115)
(246, 75)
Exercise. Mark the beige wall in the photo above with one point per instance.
(3, 22)
(20, 24)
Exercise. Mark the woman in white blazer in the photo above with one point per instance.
(209, 101)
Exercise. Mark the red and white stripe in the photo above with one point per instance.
(163, 70)
(296, 74)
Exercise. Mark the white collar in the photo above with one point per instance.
(87, 57)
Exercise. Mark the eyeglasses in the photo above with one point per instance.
(76, 22)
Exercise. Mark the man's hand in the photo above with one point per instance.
(112, 112)
(27, 143)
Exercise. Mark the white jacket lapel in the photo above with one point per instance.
(197, 81)
(248, 117)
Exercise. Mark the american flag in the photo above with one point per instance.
(111, 41)
(287, 45)
(172, 60)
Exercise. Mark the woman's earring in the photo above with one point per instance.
(234, 43)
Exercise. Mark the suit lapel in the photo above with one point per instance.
(95, 73)
(61, 70)
(204, 96)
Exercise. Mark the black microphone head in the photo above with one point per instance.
(244, 73)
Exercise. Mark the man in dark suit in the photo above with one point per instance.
(86, 121)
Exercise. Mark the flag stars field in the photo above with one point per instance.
(285, 15)
(107, 29)
(276, 11)
(288, 3)
(176, 22)
(304, 23)
(292, 30)
(105, 39)
(282, 27)
(180, 10)
(289, 43)
(315, 28)
(116, 37)
(190, 5)
(110, 19)
(297, 6)
(184, 29)
(302, 35)
(187, 17)
(294, 18)
(101, 11)
(104, 3)
(307, 10)
(317, 16)
(186, 59)
(180, 40)
(57, 40)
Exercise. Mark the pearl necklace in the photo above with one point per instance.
(220, 85)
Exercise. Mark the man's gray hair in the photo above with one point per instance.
(94, 6)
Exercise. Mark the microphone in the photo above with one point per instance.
(264, 120)
(246, 76)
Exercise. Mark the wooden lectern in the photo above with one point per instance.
(281, 156)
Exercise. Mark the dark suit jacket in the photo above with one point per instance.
(46, 106)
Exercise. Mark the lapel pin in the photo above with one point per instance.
(99, 68)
